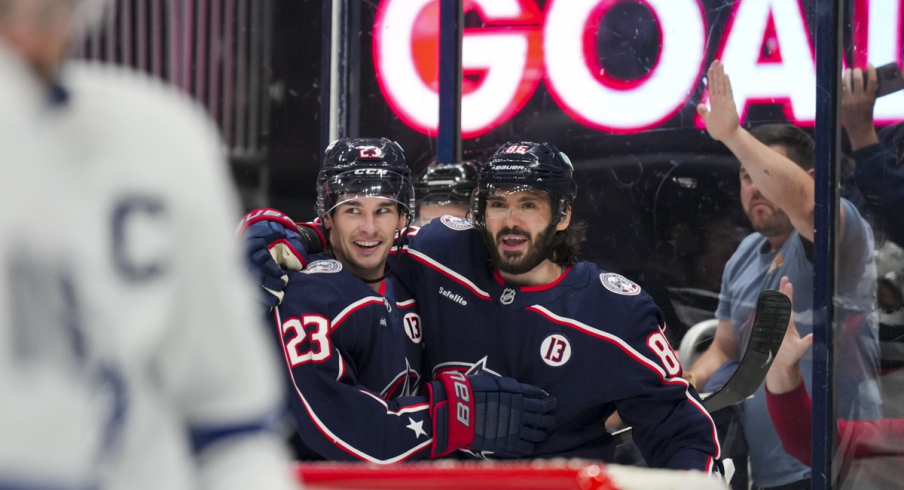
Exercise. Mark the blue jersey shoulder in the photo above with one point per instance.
(324, 285)
(600, 297)
(444, 237)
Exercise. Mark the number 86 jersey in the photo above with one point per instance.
(591, 338)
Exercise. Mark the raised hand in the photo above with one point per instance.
(858, 98)
(784, 375)
(721, 117)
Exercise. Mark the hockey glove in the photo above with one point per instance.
(488, 413)
(272, 246)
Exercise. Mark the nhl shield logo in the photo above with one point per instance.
(508, 295)
(619, 284)
(456, 223)
(323, 266)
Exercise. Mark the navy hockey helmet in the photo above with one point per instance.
(525, 164)
(364, 167)
(447, 183)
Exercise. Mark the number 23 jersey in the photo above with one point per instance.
(353, 358)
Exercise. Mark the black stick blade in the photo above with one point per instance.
(773, 310)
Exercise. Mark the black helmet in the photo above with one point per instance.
(539, 166)
(446, 183)
(364, 167)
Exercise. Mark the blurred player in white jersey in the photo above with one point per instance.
(123, 363)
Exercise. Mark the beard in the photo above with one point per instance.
(538, 249)
(769, 225)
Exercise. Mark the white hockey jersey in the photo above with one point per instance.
(130, 353)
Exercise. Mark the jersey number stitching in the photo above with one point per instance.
(661, 347)
(320, 341)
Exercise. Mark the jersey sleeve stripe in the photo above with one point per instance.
(341, 365)
(407, 409)
(702, 409)
(569, 322)
(637, 356)
(347, 447)
(357, 305)
(406, 304)
(433, 264)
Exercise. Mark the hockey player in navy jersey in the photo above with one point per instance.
(504, 294)
(353, 338)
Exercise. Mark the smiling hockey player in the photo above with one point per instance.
(353, 337)
(504, 294)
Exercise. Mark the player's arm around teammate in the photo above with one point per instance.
(351, 335)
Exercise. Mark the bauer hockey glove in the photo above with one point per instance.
(488, 413)
(273, 244)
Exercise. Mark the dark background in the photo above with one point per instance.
(662, 205)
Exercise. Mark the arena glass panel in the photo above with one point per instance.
(660, 197)
(614, 84)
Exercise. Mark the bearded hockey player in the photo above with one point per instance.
(353, 337)
(504, 294)
(120, 366)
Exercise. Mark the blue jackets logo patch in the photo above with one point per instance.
(456, 223)
(619, 284)
(323, 266)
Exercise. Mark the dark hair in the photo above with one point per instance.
(801, 147)
(566, 244)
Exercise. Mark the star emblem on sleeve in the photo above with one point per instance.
(417, 427)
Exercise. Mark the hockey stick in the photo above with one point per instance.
(773, 310)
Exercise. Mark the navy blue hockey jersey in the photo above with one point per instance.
(353, 358)
(592, 339)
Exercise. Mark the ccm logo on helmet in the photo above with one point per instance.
(379, 172)
(463, 395)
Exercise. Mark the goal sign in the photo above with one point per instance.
(520, 45)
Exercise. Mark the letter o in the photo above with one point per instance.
(646, 105)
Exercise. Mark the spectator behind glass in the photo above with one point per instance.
(878, 443)
(876, 185)
(777, 193)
